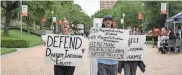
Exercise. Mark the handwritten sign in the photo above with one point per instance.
(63, 50)
(108, 43)
(136, 48)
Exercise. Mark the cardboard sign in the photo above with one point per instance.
(63, 50)
(137, 48)
(24, 10)
(108, 43)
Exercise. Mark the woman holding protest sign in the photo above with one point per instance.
(60, 69)
(107, 66)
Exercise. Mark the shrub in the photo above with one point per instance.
(149, 38)
(14, 43)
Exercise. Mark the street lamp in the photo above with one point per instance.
(143, 17)
(123, 19)
(52, 27)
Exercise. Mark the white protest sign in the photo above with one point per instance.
(65, 50)
(108, 43)
(137, 48)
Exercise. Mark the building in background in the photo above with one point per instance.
(107, 4)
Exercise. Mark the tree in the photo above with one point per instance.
(9, 6)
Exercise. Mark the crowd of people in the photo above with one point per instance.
(164, 35)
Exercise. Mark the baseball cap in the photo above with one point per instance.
(107, 17)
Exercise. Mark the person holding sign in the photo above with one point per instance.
(63, 69)
(130, 67)
(107, 66)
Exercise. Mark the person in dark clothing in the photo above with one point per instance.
(130, 67)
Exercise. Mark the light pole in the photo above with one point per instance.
(123, 19)
(52, 20)
(143, 17)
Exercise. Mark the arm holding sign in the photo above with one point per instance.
(43, 37)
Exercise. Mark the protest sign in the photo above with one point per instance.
(108, 43)
(137, 47)
(65, 50)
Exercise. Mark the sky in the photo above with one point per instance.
(89, 6)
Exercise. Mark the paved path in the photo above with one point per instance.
(31, 62)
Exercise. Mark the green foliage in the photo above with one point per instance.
(33, 40)
(7, 50)
(14, 43)
(129, 8)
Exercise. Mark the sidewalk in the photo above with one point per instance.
(31, 62)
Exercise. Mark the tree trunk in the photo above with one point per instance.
(8, 21)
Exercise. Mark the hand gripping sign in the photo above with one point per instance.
(63, 50)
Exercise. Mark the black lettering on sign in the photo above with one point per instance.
(65, 42)
(58, 62)
(73, 56)
(97, 54)
(72, 41)
(134, 57)
(109, 44)
(79, 45)
(49, 44)
(55, 40)
(107, 33)
(136, 49)
(61, 41)
(92, 44)
(133, 40)
(48, 51)
(65, 46)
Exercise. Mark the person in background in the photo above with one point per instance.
(59, 69)
(180, 31)
(107, 66)
(114, 24)
(156, 33)
(164, 31)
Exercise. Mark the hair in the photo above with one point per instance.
(156, 26)
(112, 26)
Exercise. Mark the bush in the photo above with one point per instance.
(149, 38)
(14, 43)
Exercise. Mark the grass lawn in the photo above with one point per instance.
(7, 50)
(32, 39)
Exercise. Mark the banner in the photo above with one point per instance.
(163, 8)
(43, 19)
(140, 16)
(24, 10)
(63, 50)
(54, 20)
(122, 21)
(137, 47)
(108, 43)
